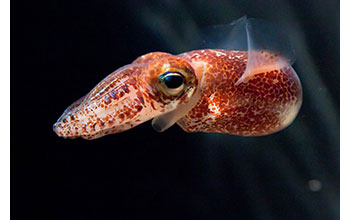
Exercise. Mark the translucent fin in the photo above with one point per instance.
(226, 36)
(165, 121)
(268, 48)
(267, 44)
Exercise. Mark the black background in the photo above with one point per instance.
(61, 49)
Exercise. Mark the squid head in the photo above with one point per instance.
(156, 85)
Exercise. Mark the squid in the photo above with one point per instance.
(246, 87)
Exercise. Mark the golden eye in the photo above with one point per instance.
(173, 83)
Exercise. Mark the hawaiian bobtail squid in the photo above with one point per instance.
(250, 90)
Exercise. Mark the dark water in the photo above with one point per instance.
(61, 49)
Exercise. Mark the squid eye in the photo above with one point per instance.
(173, 82)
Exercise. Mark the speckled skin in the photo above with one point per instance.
(262, 103)
(125, 98)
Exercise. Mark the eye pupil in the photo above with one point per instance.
(173, 81)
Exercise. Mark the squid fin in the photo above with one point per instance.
(268, 46)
